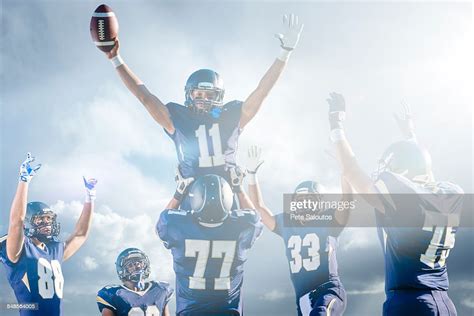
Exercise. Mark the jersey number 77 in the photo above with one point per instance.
(201, 249)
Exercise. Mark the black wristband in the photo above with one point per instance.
(237, 189)
(178, 196)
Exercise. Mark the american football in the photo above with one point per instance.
(104, 28)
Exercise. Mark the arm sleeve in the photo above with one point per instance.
(254, 227)
(171, 109)
(278, 224)
(162, 228)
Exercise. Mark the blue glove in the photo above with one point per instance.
(27, 171)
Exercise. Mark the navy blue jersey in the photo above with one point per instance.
(415, 257)
(311, 253)
(36, 278)
(209, 261)
(125, 302)
(204, 144)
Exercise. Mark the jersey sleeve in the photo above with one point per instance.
(168, 224)
(172, 109)
(234, 112)
(252, 225)
(3, 248)
(279, 224)
(105, 299)
(3, 251)
(162, 228)
(168, 292)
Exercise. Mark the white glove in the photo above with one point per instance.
(405, 123)
(291, 32)
(182, 184)
(27, 171)
(254, 161)
(90, 189)
(237, 176)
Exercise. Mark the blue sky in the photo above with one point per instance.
(61, 100)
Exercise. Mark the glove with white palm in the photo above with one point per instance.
(237, 176)
(27, 171)
(289, 36)
(89, 184)
(253, 163)
(182, 185)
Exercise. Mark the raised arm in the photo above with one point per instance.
(81, 231)
(254, 162)
(15, 236)
(351, 170)
(405, 123)
(288, 40)
(342, 217)
(153, 105)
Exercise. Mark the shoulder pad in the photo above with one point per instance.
(232, 104)
(162, 284)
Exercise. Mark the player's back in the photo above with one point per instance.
(415, 257)
(209, 261)
(37, 277)
(125, 302)
(311, 253)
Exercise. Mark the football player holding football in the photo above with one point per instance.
(134, 296)
(406, 199)
(310, 249)
(31, 252)
(209, 247)
(206, 130)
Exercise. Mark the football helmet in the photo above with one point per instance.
(209, 80)
(40, 222)
(309, 187)
(211, 199)
(408, 159)
(133, 265)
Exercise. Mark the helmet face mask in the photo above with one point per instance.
(204, 92)
(133, 265)
(40, 222)
(308, 190)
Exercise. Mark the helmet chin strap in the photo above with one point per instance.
(140, 284)
(43, 238)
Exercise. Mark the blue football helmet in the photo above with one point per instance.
(211, 199)
(408, 159)
(133, 265)
(205, 79)
(309, 187)
(38, 216)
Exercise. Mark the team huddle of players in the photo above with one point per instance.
(210, 223)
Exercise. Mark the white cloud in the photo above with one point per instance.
(358, 238)
(89, 263)
(275, 295)
(377, 287)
